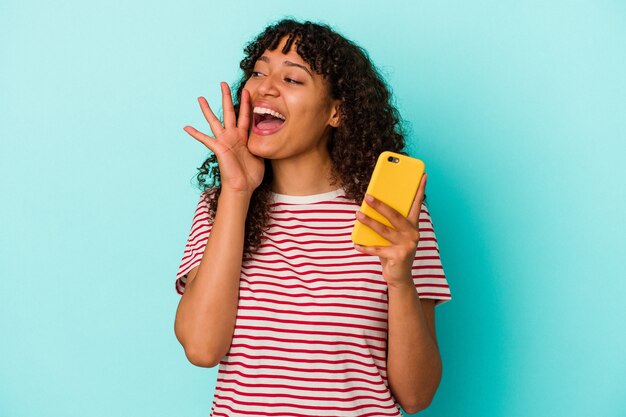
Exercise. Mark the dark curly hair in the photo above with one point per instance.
(369, 123)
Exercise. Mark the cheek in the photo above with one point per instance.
(250, 85)
(308, 114)
(314, 118)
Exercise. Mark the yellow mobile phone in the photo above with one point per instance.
(395, 181)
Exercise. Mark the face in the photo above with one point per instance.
(285, 83)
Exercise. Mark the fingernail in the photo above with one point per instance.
(369, 198)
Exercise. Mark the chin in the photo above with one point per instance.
(258, 146)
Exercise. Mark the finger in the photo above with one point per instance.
(381, 251)
(208, 141)
(416, 208)
(227, 107)
(383, 230)
(397, 220)
(244, 112)
(214, 122)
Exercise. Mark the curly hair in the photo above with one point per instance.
(369, 123)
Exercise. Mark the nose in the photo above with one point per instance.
(267, 85)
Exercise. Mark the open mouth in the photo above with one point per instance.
(267, 122)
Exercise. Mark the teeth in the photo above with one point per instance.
(263, 110)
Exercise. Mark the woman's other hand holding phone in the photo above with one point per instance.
(397, 258)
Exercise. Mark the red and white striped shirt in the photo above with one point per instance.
(310, 336)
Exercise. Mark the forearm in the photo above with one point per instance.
(205, 319)
(413, 361)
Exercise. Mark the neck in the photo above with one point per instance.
(305, 175)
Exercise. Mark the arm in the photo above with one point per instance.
(413, 362)
(414, 365)
(205, 318)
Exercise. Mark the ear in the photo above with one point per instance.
(335, 113)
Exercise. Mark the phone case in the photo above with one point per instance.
(394, 182)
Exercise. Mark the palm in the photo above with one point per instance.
(239, 169)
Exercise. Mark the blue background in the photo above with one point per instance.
(517, 108)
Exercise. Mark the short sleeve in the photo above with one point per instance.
(196, 242)
(428, 275)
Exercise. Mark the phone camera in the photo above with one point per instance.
(393, 159)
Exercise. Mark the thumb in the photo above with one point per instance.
(416, 208)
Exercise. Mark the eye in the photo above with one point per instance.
(255, 72)
(289, 80)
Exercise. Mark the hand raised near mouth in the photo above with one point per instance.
(240, 170)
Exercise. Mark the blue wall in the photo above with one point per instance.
(516, 107)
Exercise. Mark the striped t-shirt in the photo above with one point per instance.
(310, 336)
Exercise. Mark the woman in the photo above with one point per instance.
(300, 321)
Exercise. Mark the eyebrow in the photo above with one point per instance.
(288, 63)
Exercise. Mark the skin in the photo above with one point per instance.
(298, 155)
